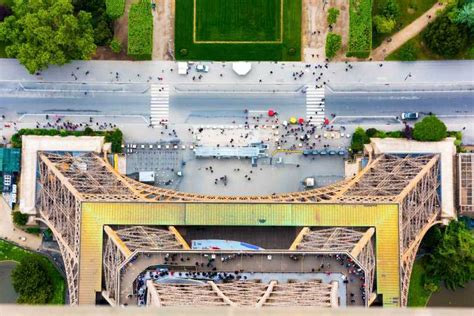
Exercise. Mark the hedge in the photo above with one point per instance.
(333, 44)
(360, 28)
(114, 136)
(115, 8)
(140, 31)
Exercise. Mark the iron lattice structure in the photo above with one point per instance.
(67, 181)
(356, 244)
(243, 294)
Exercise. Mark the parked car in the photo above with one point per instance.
(410, 115)
(202, 68)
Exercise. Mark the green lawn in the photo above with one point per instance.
(417, 295)
(9, 251)
(423, 53)
(237, 20)
(238, 30)
(410, 10)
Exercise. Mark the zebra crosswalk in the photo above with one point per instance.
(314, 105)
(159, 103)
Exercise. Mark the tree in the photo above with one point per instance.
(389, 9)
(445, 38)
(19, 218)
(465, 15)
(101, 22)
(359, 138)
(4, 12)
(115, 46)
(32, 281)
(452, 261)
(333, 44)
(430, 129)
(384, 25)
(40, 33)
(333, 13)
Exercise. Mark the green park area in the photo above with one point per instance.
(391, 16)
(449, 35)
(238, 30)
(445, 260)
(35, 278)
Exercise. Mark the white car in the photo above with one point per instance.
(202, 68)
(410, 115)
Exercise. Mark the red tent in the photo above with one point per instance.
(301, 120)
(326, 121)
(271, 113)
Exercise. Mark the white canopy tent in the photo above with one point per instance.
(242, 68)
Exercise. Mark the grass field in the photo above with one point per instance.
(417, 295)
(9, 251)
(238, 30)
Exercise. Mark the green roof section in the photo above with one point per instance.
(10, 159)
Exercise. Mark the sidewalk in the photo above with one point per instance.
(9, 232)
(262, 73)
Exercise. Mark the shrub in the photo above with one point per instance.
(333, 44)
(389, 9)
(446, 38)
(384, 25)
(19, 218)
(407, 52)
(114, 136)
(32, 281)
(140, 30)
(183, 52)
(371, 132)
(333, 13)
(115, 46)
(33, 230)
(359, 138)
(291, 51)
(360, 28)
(430, 129)
(115, 8)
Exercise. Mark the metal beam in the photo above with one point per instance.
(117, 241)
(299, 238)
(179, 237)
(362, 242)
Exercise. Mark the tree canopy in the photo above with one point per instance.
(45, 32)
(32, 281)
(19, 218)
(452, 260)
(384, 25)
(430, 129)
(446, 38)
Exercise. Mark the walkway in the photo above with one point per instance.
(9, 232)
(163, 29)
(407, 33)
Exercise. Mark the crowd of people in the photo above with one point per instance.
(180, 267)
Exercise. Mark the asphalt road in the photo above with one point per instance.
(351, 108)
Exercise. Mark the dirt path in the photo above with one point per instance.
(315, 27)
(410, 31)
(121, 25)
(163, 29)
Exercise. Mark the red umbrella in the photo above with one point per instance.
(326, 121)
(300, 120)
(271, 113)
